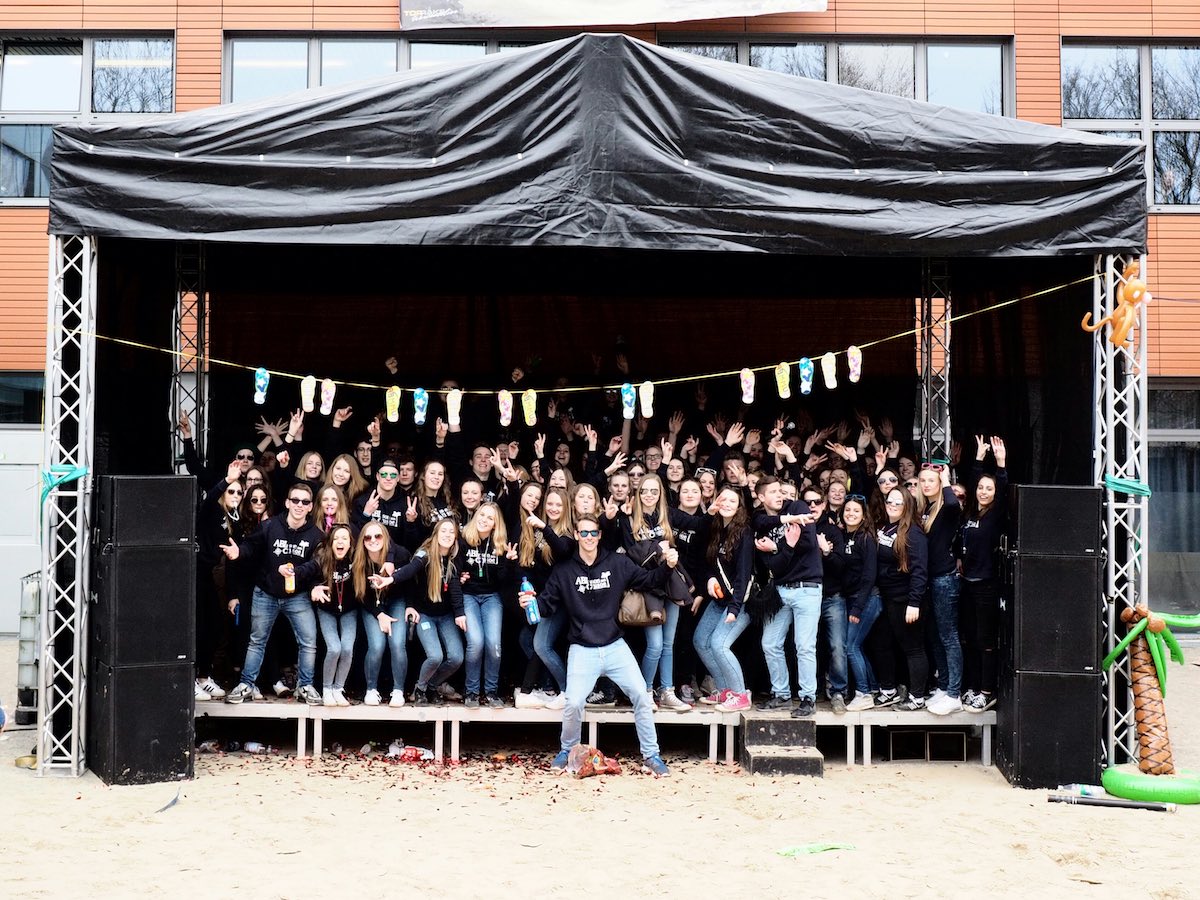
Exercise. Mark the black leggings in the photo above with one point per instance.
(911, 638)
(979, 622)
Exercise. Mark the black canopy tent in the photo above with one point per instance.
(487, 201)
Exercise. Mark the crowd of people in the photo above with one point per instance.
(877, 571)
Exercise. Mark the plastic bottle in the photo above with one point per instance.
(395, 748)
(1083, 790)
(415, 754)
(258, 749)
(532, 614)
(208, 747)
(289, 581)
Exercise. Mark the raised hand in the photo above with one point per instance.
(372, 504)
(392, 364)
(373, 429)
(999, 450)
(590, 434)
(296, 424)
(610, 508)
(815, 459)
(618, 462)
(623, 363)
(320, 593)
(511, 553)
(955, 452)
(283, 457)
(885, 429)
(552, 408)
(667, 450)
(534, 521)
(843, 431)
(440, 430)
(342, 415)
(701, 396)
(893, 449)
(981, 447)
(753, 436)
(234, 472)
(539, 446)
(410, 511)
(735, 435)
(614, 445)
(675, 423)
(712, 429)
(865, 438)
(690, 446)
(185, 425)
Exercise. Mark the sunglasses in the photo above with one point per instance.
(372, 537)
(652, 490)
(249, 456)
(893, 503)
(887, 479)
(911, 483)
(258, 499)
(933, 466)
(389, 476)
(859, 497)
(589, 532)
(300, 501)
(234, 493)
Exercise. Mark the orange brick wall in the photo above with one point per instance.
(1035, 26)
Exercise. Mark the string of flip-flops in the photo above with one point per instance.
(631, 396)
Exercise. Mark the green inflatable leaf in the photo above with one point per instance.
(1125, 642)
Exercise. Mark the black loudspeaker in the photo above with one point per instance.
(1048, 729)
(1053, 624)
(146, 511)
(145, 606)
(1051, 520)
(141, 726)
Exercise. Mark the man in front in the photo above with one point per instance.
(590, 584)
(279, 547)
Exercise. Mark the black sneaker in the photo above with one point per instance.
(420, 697)
(912, 704)
(494, 701)
(886, 698)
(435, 697)
(600, 699)
(471, 701)
(838, 703)
(805, 709)
(774, 702)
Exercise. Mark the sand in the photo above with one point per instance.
(278, 827)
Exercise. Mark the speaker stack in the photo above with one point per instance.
(1049, 711)
(142, 625)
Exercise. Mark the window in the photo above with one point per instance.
(723, 52)
(21, 398)
(1174, 477)
(886, 68)
(346, 61)
(41, 76)
(965, 76)
(1149, 92)
(267, 68)
(804, 60)
(132, 76)
(56, 79)
(428, 53)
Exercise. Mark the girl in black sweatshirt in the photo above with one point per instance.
(485, 561)
(863, 605)
(901, 576)
(980, 603)
(435, 609)
(940, 520)
(219, 523)
(337, 604)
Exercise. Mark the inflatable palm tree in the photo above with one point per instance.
(1150, 642)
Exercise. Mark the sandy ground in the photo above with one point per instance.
(275, 827)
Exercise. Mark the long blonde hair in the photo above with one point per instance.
(435, 576)
(637, 520)
(303, 464)
(341, 517)
(355, 486)
(362, 560)
(930, 507)
(470, 532)
(531, 538)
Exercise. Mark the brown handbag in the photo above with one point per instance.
(635, 614)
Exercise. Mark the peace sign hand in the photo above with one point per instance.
(410, 513)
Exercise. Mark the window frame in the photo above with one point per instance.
(1146, 124)
(84, 113)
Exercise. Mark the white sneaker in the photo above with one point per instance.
(328, 698)
(281, 689)
(210, 688)
(668, 700)
(554, 701)
(257, 694)
(532, 700)
(340, 697)
(201, 694)
(397, 699)
(860, 702)
(943, 705)
(372, 698)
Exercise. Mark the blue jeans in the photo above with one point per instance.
(947, 647)
(397, 643)
(544, 636)
(434, 633)
(660, 650)
(713, 638)
(339, 632)
(856, 635)
(264, 610)
(584, 666)
(376, 641)
(802, 610)
(833, 617)
(485, 615)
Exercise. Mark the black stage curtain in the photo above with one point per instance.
(473, 314)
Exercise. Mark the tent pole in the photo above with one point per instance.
(66, 512)
(1120, 450)
(933, 345)
(189, 373)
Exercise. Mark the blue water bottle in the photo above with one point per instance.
(532, 614)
